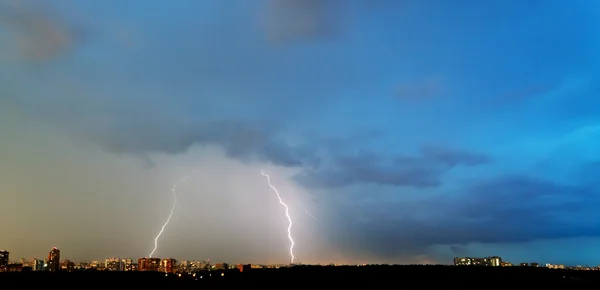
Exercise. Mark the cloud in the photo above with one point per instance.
(245, 141)
(507, 209)
(365, 167)
(39, 33)
(203, 83)
(452, 157)
(297, 20)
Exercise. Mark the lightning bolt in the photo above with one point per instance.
(174, 191)
(287, 214)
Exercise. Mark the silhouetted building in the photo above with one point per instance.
(168, 265)
(3, 258)
(53, 260)
(14, 268)
(148, 264)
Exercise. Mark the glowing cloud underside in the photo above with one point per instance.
(287, 214)
(174, 191)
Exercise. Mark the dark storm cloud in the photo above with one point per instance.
(244, 141)
(507, 209)
(105, 110)
(451, 157)
(335, 144)
(421, 171)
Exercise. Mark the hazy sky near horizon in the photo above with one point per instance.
(413, 130)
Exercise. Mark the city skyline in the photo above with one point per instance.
(171, 265)
(413, 131)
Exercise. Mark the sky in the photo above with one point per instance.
(412, 131)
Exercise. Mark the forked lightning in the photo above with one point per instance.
(287, 214)
(174, 191)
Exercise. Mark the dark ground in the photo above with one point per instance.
(381, 277)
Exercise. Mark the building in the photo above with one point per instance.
(24, 262)
(67, 266)
(221, 266)
(113, 264)
(3, 258)
(551, 266)
(244, 267)
(13, 268)
(194, 266)
(127, 264)
(37, 265)
(148, 264)
(183, 266)
(465, 261)
(168, 265)
(495, 261)
(488, 261)
(96, 265)
(53, 260)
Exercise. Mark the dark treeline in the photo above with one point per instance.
(382, 277)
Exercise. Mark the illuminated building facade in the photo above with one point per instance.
(168, 265)
(3, 258)
(67, 266)
(148, 264)
(495, 261)
(183, 266)
(37, 265)
(54, 260)
(551, 266)
(221, 266)
(126, 264)
(488, 261)
(113, 264)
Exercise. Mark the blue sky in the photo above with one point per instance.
(416, 130)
